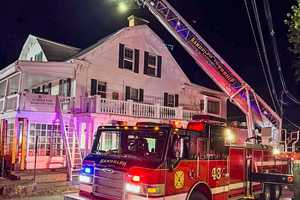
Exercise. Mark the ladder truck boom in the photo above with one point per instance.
(257, 111)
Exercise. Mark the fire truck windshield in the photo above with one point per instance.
(137, 144)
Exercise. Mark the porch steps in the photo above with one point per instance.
(42, 176)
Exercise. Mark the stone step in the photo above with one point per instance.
(40, 189)
(42, 176)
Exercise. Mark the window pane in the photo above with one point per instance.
(128, 64)
(151, 71)
(134, 94)
(152, 60)
(213, 107)
(128, 54)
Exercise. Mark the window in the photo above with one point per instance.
(201, 105)
(134, 94)
(213, 107)
(2, 88)
(171, 100)
(44, 89)
(13, 84)
(128, 58)
(98, 88)
(101, 89)
(152, 64)
(50, 142)
(65, 87)
(9, 138)
(38, 57)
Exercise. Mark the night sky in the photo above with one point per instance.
(222, 23)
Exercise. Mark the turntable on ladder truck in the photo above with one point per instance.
(201, 162)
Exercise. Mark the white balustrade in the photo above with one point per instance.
(188, 114)
(112, 106)
(96, 104)
(143, 110)
(168, 112)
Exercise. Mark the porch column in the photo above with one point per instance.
(3, 133)
(23, 144)
(14, 143)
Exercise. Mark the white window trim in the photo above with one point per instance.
(156, 63)
(127, 59)
(209, 98)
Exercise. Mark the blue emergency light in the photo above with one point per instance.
(88, 170)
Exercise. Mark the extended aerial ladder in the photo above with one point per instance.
(257, 111)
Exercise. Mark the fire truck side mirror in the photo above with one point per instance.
(178, 148)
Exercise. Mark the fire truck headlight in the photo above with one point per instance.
(276, 151)
(85, 179)
(133, 188)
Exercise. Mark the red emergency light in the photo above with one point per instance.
(196, 126)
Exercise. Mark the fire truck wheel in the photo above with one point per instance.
(197, 196)
(266, 195)
(275, 192)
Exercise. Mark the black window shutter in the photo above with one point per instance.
(121, 55)
(69, 87)
(165, 99)
(60, 87)
(146, 58)
(49, 88)
(141, 95)
(159, 63)
(127, 93)
(105, 89)
(136, 60)
(176, 100)
(93, 87)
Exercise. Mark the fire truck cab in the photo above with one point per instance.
(160, 162)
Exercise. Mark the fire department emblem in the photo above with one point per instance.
(179, 179)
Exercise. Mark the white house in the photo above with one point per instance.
(62, 94)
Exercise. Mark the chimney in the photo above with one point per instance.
(135, 21)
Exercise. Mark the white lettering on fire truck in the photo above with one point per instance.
(179, 179)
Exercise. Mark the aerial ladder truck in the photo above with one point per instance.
(258, 112)
(160, 162)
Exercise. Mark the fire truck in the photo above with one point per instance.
(197, 163)
(159, 161)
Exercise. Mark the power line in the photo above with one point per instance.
(294, 124)
(268, 14)
(254, 5)
(259, 53)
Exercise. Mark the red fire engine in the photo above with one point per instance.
(157, 161)
(201, 162)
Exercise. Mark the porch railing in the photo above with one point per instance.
(47, 103)
(136, 109)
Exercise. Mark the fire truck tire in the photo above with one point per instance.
(197, 196)
(276, 192)
(266, 195)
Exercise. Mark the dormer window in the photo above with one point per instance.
(152, 64)
(129, 58)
